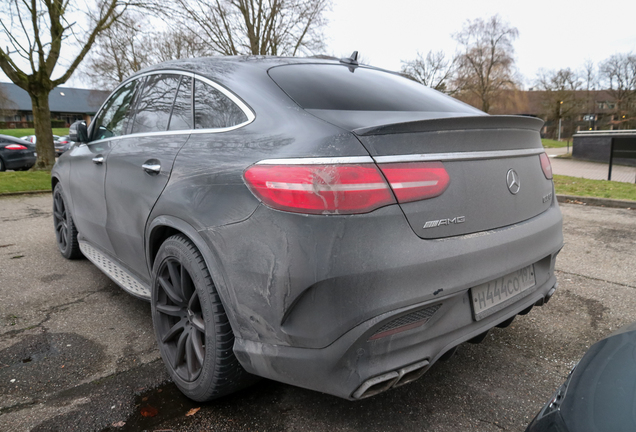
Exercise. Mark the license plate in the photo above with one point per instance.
(495, 295)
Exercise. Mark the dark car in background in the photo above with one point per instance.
(317, 222)
(16, 154)
(599, 395)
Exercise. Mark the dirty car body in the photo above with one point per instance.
(356, 225)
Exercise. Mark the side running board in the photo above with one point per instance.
(119, 275)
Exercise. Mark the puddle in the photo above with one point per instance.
(166, 401)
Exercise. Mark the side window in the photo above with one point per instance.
(113, 118)
(182, 111)
(152, 111)
(214, 110)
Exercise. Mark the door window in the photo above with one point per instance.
(113, 118)
(152, 111)
(182, 110)
(214, 110)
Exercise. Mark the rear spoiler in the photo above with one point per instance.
(454, 124)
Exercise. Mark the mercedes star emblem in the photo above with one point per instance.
(512, 180)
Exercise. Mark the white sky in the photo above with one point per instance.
(553, 34)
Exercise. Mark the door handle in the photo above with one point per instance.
(98, 160)
(152, 167)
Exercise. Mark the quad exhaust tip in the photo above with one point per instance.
(381, 383)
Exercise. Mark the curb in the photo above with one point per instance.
(6, 194)
(599, 202)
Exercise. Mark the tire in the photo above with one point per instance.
(65, 231)
(193, 333)
(2, 166)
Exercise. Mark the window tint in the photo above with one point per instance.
(336, 87)
(152, 111)
(182, 111)
(113, 118)
(213, 110)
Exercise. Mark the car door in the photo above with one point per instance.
(139, 166)
(89, 162)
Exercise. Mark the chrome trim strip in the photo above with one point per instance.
(497, 154)
(317, 161)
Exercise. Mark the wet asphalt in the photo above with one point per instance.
(78, 354)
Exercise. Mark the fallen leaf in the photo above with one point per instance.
(149, 411)
(119, 424)
(192, 412)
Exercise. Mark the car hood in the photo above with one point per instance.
(601, 395)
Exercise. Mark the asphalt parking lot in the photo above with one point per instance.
(77, 353)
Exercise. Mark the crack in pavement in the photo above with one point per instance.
(48, 313)
(596, 279)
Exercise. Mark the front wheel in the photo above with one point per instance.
(65, 231)
(194, 335)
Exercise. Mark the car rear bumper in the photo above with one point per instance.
(307, 294)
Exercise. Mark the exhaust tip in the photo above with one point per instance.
(411, 373)
(373, 386)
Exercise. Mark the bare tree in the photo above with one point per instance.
(258, 27)
(560, 97)
(485, 65)
(434, 70)
(119, 51)
(37, 31)
(618, 74)
(176, 43)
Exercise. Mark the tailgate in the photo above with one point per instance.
(493, 162)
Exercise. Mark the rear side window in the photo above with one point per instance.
(113, 118)
(339, 87)
(154, 107)
(214, 110)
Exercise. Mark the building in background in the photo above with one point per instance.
(67, 105)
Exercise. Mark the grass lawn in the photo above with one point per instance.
(22, 132)
(549, 143)
(24, 181)
(594, 188)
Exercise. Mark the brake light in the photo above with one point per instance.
(414, 181)
(320, 189)
(546, 166)
(15, 147)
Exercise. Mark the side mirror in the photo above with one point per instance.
(78, 132)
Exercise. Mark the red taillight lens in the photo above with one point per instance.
(414, 181)
(320, 189)
(15, 147)
(546, 166)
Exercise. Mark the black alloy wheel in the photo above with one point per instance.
(181, 328)
(65, 231)
(192, 329)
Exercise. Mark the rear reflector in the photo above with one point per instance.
(546, 166)
(320, 189)
(15, 147)
(414, 181)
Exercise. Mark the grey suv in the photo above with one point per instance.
(317, 222)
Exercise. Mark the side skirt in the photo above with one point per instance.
(118, 274)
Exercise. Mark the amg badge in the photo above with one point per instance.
(440, 222)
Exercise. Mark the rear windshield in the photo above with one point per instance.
(339, 87)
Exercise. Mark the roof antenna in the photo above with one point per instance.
(352, 59)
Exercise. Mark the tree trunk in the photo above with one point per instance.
(43, 131)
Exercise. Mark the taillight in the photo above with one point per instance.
(15, 147)
(546, 166)
(320, 189)
(414, 181)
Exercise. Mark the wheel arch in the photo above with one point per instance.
(163, 227)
